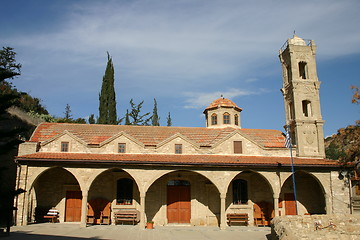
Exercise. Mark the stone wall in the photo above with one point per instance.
(333, 226)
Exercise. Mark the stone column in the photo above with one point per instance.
(84, 209)
(276, 206)
(328, 206)
(222, 211)
(142, 211)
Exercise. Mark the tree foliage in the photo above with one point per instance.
(356, 95)
(345, 145)
(168, 120)
(67, 112)
(134, 117)
(107, 99)
(155, 119)
(91, 119)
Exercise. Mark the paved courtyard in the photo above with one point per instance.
(73, 231)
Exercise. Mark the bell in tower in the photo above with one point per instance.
(301, 97)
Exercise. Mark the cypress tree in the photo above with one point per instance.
(169, 122)
(107, 99)
(127, 119)
(155, 120)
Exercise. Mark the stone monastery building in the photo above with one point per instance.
(187, 175)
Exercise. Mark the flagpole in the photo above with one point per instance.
(288, 142)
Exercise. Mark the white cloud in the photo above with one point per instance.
(200, 100)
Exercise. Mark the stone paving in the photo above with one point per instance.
(57, 231)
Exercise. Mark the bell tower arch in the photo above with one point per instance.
(301, 96)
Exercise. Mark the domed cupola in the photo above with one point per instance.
(222, 113)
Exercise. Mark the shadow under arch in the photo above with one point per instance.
(50, 189)
(310, 194)
(254, 189)
(204, 198)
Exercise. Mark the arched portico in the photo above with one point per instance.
(180, 188)
(309, 193)
(55, 187)
(111, 190)
(250, 192)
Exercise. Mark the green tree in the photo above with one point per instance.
(8, 70)
(107, 99)
(9, 137)
(127, 118)
(67, 112)
(135, 117)
(155, 119)
(91, 119)
(169, 122)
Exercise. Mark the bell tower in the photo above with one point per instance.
(301, 97)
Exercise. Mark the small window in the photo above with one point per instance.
(236, 120)
(214, 119)
(240, 192)
(288, 73)
(122, 147)
(238, 147)
(226, 118)
(303, 70)
(64, 146)
(124, 193)
(178, 148)
(306, 106)
(178, 183)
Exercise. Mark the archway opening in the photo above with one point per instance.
(111, 191)
(55, 188)
(309, 193)
(183, 197)
(250, 193)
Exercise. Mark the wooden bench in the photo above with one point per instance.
(53, 219)
(238, 218)
(122, 216)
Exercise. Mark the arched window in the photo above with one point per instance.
(306, 107)
(303, 70)
(236, 120)
(124, 193)
(213, 119)
(226, 118)
(240, 191)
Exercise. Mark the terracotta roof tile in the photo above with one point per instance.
(149, 135)
(177, 159)
(223, 102)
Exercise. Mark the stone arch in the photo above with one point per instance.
(310, 200)
(104, 185)
(49, 188)
(264, 177)
(259, 191)
(204, 198)
(160, 174)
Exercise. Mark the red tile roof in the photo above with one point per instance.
(223, 102)
(177, 159)
(150, 135)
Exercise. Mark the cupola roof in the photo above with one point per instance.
(297, 41)
(223, 102)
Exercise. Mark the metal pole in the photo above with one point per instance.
(293, 178)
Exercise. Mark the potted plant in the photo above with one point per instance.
(150, 225)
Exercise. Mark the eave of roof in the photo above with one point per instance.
(176, 159)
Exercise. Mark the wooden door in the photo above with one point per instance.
(178, 204)
(73, 206)
(290, 204)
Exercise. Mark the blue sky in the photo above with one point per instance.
(184, 53)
